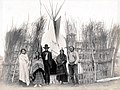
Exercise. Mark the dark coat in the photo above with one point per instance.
(47, 63)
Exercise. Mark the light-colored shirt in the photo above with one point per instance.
(46, 56)
(73, 57)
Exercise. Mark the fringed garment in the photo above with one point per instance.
(38, 71)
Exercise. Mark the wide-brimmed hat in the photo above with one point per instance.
(46, 46)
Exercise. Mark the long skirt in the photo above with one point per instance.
(62, 73)
(38, 77)
(62, 77)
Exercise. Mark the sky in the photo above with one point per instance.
(15, 12)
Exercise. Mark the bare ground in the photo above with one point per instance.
(111, 85)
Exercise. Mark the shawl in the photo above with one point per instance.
(61, 59)
(36, 64)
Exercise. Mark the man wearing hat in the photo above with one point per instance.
(47, 57)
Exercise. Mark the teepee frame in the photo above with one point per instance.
(53, 13)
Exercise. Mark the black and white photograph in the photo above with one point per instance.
(60, 44)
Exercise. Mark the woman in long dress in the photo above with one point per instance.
(24, 64)
(37, 70)
(61, 61)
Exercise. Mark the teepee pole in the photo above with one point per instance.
(40, 7)
(48, 12)
(56, 8)
(59, 9)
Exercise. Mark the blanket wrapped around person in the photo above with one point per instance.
(37, 71)
(61, 60)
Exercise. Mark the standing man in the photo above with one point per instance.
(47, 57)
(73, 59)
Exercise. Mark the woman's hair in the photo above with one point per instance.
(37, 52)
(62, 50)
(37, 56)
(71, 47)
(22, 50)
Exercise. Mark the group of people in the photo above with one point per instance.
(37, 71)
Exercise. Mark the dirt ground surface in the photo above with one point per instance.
(111, 85)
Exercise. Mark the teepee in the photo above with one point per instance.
(52, 35)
